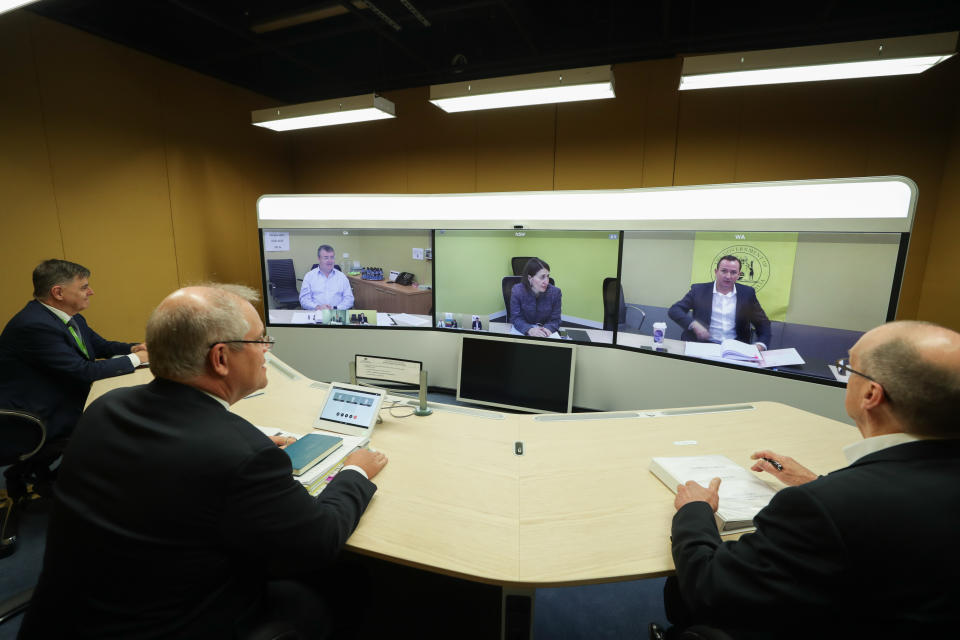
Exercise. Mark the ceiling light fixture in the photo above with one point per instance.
(10, 5)
(863, 59)
(324, 113)
(570, 85)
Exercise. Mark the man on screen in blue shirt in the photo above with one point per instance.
(326, 287)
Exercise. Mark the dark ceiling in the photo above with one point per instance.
(297, 51)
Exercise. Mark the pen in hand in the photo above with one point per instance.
(776, 465)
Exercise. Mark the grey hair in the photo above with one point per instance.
(50, 273)
(179, 335)
(923, 395)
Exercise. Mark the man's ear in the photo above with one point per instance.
(874, 396)
(218, 358)
(56, 292)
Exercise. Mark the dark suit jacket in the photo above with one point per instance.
(870, 549)
(700, 300)
(43, 371)
(170, 515)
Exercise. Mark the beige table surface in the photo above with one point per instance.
(579, 506)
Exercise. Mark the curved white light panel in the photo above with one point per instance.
(874, 198)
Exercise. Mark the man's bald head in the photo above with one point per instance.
(918, 365)
(182, 327)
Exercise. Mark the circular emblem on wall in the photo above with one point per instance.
(754, 265)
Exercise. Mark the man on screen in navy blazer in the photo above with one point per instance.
(722, 310)
(49, 357)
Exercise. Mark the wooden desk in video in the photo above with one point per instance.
(579, 506)
(390, 297)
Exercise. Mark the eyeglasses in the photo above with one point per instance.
(267, 340)
(843, 368)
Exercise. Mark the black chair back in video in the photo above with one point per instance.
(23, 436)
(617, 313)
(282, 283)
(506, 285)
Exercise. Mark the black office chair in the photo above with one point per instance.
(23, 436)
(506, 285)
(618, 314)
(282, 284)
(518, 263)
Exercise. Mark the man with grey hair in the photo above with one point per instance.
(325, 287)
(866, 551)
(49, 357)
(175, 517)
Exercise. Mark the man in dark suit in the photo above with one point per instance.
(869, 550)
(175, 517)
(722, 309)
(49, 357)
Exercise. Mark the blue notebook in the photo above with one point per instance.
(311, 449)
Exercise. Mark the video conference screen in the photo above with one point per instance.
(533, 283)
(805, 297)
(345, 277)
(794, 301)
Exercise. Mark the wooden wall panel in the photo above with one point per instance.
(940, 294)
(106, 150)
(515, 148)
(31, 229)
(143, 171)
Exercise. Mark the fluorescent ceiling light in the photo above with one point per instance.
(570, 85)
(865, 59)
(325, 113)
(846, 199)
(10, 5)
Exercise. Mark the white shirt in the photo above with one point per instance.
(723, 321)
(63, 315)
(333, 290)
(857, 450)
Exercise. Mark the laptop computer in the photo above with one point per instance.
(350, 410)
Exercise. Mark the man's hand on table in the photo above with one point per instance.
(370, 461)
(791, 472)
(693, 492)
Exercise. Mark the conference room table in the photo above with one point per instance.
(577, 506)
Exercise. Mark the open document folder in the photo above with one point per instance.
(743, 353)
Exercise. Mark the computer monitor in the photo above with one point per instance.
(513, 373)
(348, 277)
(819, 290)
(483, 274)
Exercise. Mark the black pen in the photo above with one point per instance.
(776, 465)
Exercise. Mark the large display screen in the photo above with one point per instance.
(346, 277)
(533, 283)
(806, 297)
(535, 376)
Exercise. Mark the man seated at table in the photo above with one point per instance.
(176, 518)
(49, 356)
(722, 310)
(867, 551)
(326, 287)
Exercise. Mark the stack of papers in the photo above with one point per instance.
(743, 353)
(316, 479)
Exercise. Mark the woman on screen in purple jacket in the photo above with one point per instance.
(534, 302)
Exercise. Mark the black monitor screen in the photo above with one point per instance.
(516, 374)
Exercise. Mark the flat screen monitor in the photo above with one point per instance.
(525, 282)
(521, 374)
(807, 296)
(348, 277)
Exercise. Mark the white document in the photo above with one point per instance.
(303, 317)
(409, 320)
(780, 358)
(742, 494)
(276, 241)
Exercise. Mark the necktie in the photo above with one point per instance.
(71, 325)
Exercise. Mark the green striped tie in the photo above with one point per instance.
(76, 336)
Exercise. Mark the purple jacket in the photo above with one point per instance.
(527, 310)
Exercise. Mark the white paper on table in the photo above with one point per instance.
(303, 317)
(409, 320)
(709, 350)
(781, 358)
(836, 373)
